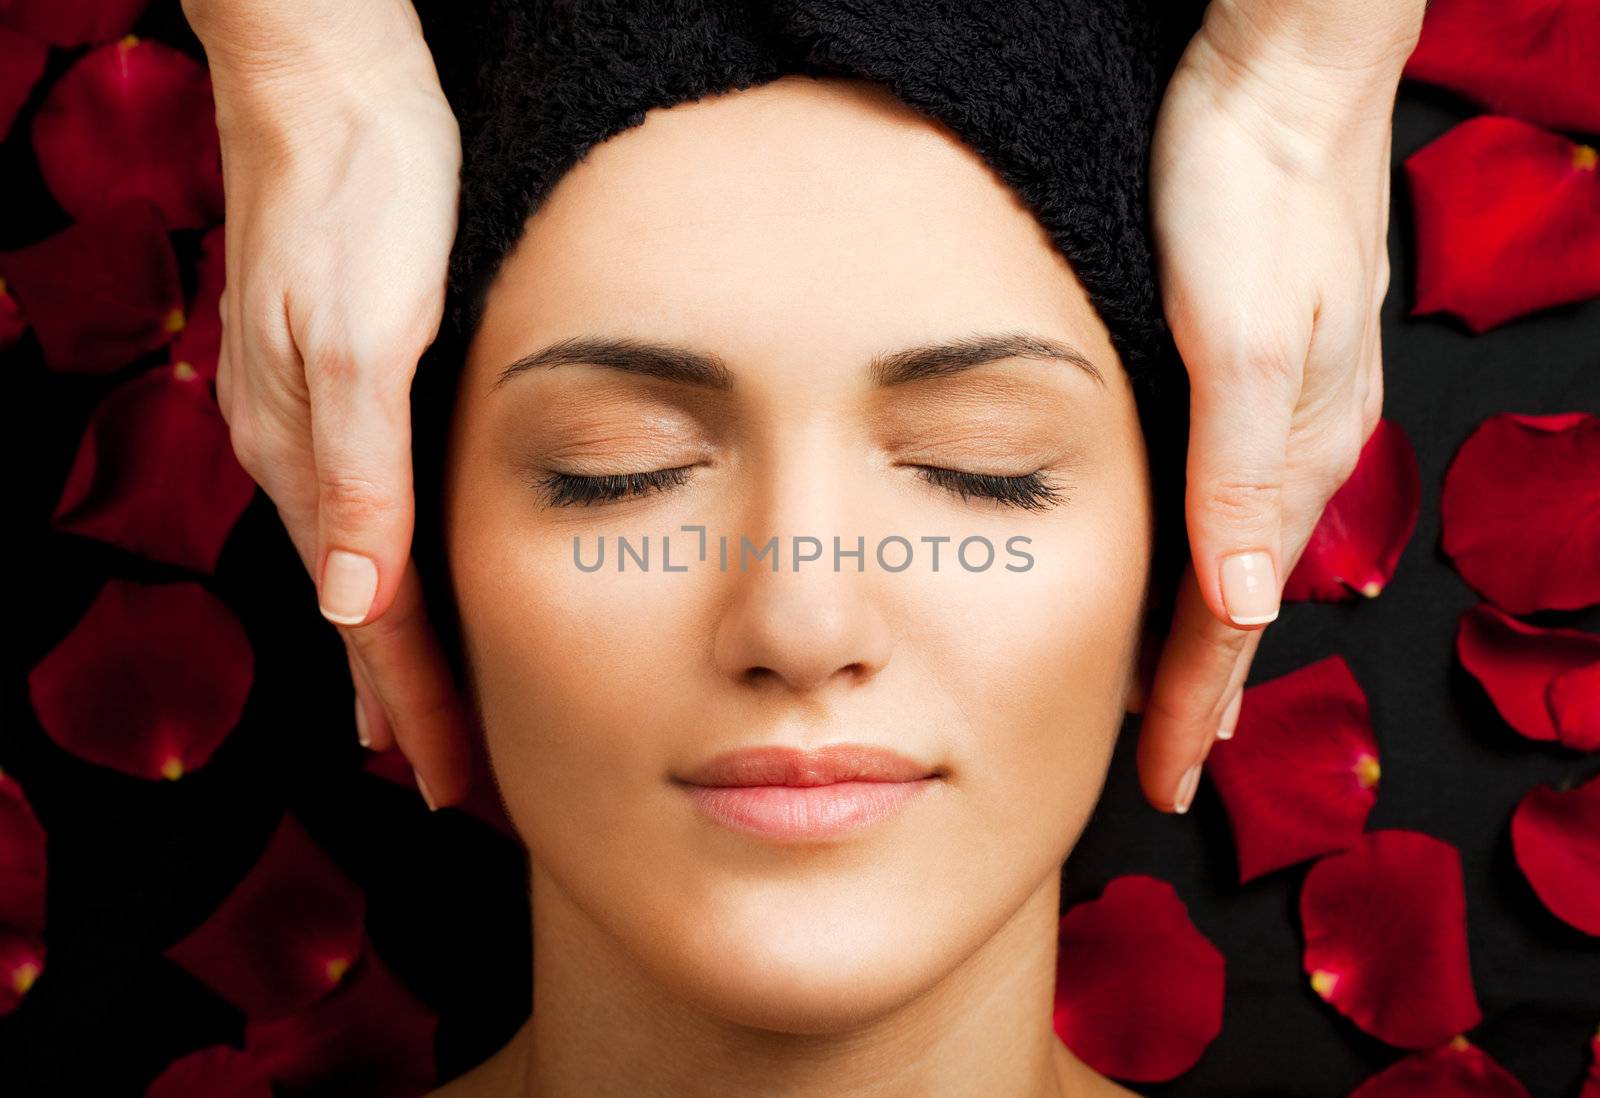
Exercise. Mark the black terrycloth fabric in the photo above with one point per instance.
(1058, 96)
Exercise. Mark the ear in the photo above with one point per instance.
(1142, 673)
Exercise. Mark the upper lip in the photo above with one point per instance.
(839, 762)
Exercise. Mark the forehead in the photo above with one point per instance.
(820, 215)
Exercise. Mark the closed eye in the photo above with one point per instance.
(1032, 491)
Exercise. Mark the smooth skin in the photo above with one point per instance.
(1269, 180)
(796, 231)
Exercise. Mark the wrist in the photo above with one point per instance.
(250, 41)
(1353, 41)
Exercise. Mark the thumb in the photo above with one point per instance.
(361, 443)
(1240, 417)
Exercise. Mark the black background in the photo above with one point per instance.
(136, 865)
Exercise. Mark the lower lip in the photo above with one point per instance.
(804, 812)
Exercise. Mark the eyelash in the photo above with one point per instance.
(1031, 492)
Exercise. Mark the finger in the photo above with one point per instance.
(372, 723)
(1241, 413)
(406, 668)
(1235, 687)
(361, 444)
(1187, 698)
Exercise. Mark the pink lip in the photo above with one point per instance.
(784, 793)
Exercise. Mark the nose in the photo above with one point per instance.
(802, 631)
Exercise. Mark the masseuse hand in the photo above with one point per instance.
(1270, 202)
(340, 163)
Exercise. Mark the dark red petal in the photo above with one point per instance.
(100, 293)
(72, 22)
(21, 962)
(22, 860)
(1519, 664)
(1591, 1084)
(1520, 513)
(1557, 840)
(1508, 221)
(1574, 699)
(285, 936)
(1358, 540)
(370, 1037)
(21, 64)
(1386, 938)
(482, 803)
(201, 339)
(1459, 1069)
(152, 679)
(220, 1071)
(156, 473)
(1530, 58)
(132, 119)
(12, 322)
(1300, 775)
(1138, 989)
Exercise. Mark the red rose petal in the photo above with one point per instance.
(1365, 526)
(1520, 513)
(100, 293)
(220, 1071)
(156, 473)
(484, 804)
(285, 936)
(1518, 665)
(152, 679)
(21, 963)
(12, 322)
(1300, 775)
(21, 64)
(22, 860)
(1556, 837)
(1138, 989)
(132, 119)
(200, 342)
(1508, 221)
(1386, 938)
(370, 1036)
(1591, 1084)
(1574, 699)
(71, 22)
(1530, 58)
(1457, 1070)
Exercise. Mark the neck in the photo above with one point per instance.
(600, 1024)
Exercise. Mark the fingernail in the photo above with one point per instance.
(1249, 587)
(361, 724)
(427, 797)
(349, 584)
(1191, 778)
(1230, 716)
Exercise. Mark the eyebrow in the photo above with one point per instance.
(701, 369)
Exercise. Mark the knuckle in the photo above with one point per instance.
(247, 444)
(355, 497)
(1270, 359)
(1242, 499)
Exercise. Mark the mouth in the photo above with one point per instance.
(787, 794)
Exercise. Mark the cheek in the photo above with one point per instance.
(1038, 663)
(568, 668)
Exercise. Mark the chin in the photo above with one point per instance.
(812, 972)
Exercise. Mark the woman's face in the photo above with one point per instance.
(792, 241)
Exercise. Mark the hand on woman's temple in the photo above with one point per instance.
(340, 163)
(1270, 203)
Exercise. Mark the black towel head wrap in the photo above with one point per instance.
(1058, 96)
